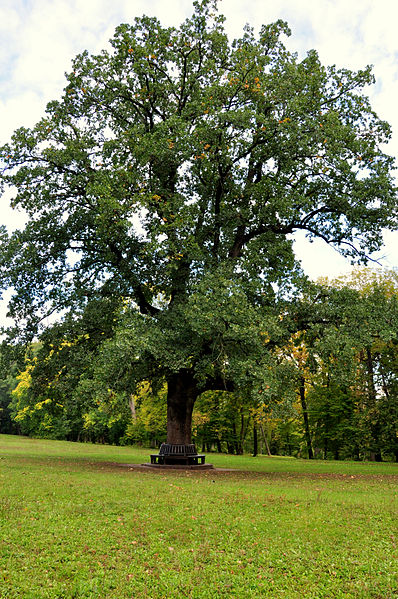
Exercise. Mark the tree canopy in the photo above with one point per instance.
(171, 175)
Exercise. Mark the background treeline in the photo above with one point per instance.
(332, 384)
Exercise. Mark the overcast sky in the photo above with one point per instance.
(39, 38)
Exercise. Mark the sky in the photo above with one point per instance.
(39, 38)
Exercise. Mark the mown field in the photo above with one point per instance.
(77, 522)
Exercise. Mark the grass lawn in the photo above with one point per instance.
(75, 524)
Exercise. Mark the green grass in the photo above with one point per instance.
(73, 525)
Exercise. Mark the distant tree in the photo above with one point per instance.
(148, 418)
(7, 426)
(377, 370)
(57, 393)
(351, 343)
(172, 173)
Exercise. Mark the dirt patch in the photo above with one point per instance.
(70, 464)
(232, 472)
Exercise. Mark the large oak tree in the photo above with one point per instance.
(172, 173)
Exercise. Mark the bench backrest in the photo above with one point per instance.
(177, 449)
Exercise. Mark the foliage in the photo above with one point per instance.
(6, 387)
(11, 360)
(148, 423)
(343, 352)
(53, 397)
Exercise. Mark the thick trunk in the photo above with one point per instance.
(182, 393)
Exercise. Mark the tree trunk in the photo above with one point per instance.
(255, 441)
(235, 438)
(132, 408)
(182, 393)
(305, 416)
(230, 448)
(391, 416)
(242, 432)
(375, 426)
(265, 440)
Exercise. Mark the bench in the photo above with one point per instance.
(170, 453)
